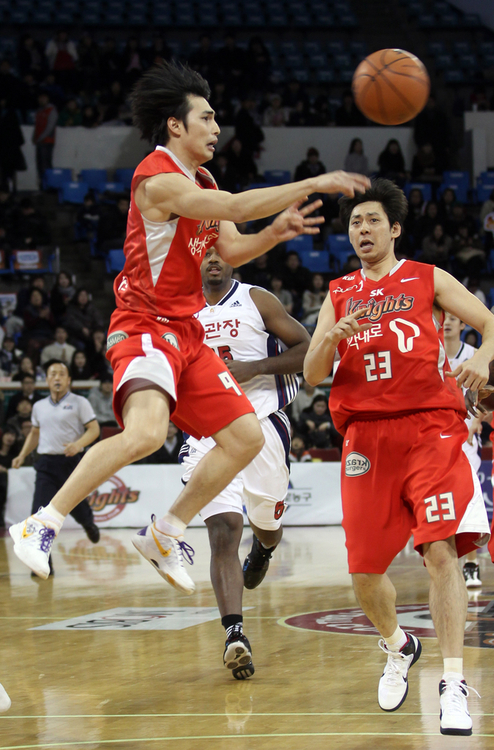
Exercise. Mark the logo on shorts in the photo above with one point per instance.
(115, 338)
(170, 338)
(356, 464)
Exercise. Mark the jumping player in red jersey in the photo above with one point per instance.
(403, 468)
(155, 345)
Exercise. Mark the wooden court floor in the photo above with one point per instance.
(156, 679)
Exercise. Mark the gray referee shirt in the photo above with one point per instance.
(60, 423)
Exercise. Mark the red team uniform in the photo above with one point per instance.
(403, 468)
(153, 335)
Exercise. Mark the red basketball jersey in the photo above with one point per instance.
(161, 275)
(396, 367)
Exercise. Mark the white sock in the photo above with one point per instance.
(171, 525)
(51, 516)
(453, 669)
(396, 641)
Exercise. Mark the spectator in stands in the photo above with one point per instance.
(323, 110)
(90, 117)
(26, 365)
(111, 102)
(301, 116)
(224, 175)
(60, 349)
(30, 58)
(9, 84)
(101, 400)
(296, 278)
(460, 218)
(61, 294)
(294, 93)
(303, 399)
(7, 204)
(30, 228)
(71, 115)
(298, 451)
(432, 126)
(241, 163)
(133, 62)
(96, 354)
(222, 104)
(9, 356)
(22, 413)
(356, 160)
(415, 209)
(11, 139)
(112, 226)
(88, 55)
(259, 63)
(316, 426)
(258, 272)
(426, 167)
(39, 323)
(469, 254)
(472, 338)
(436, 247)
(247, 126)
(426, 223)
(61, 54)
(88, 217)
(110, 62)
(447, 204)
(284, 296)
(7, 453)
(472, 283)
(231, 62)
(311, 166)
(82, 317)
(348, 114)
(312, 300)
(392, 163)
(203, 59)
(486, 219)
(28, 391)
(33, 457)
(275, 115)
(79, 367)
(158, 51)
(45, 126)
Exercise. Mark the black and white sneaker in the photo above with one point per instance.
(393, 685)
(256, 564)
(471, 574)
(238, 655)
(454, 717)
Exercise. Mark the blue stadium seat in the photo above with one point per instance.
(277, 19)
(73, 192)
(110, 187)
(444, 61)
(471, 20)
(94, 177)
(339, 247)
(125, 177)
(461, 190)
(304, 242)
(301, 75)
(450, 20)
(277, 176)
(426, 21)
(115, 261)
(437, 47)
(485, 178)
(313, 48)
(342, 60)
(316, 261)
(486, 48)
(294, 60)
(318, 61)
(457, 176)
(289, 48)
(462, 47)
(468, 62)
(55, 178)
(359, 49)
(336, 47)
(425, 187)
(301, 18)
(325, 75)
(484, 191)
(454, 76)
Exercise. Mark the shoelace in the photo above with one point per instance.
(187, 552)
(394, 666)
(47, 536)
(455, 693)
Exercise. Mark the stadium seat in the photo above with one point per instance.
(461, 190)
(73, 192)
(339, 247)
(55, 178)
(302, 243)
(94, 177)
(277, 176)
(485, 178)
(425, 187)
(115, 261)
(317, 261)
(462, 47)
(125, 177)
(457, 176)
(484, 191)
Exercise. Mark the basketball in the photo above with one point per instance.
(391, 86)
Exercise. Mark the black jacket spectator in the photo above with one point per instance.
(27, 391)
(29, 227)
(61, 294)
(316, 425)
(82, 317)
(392, 162)
(348, 115)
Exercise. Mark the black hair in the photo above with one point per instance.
(162, 92)
(385, 192)
(353, 143)
(51, 362)
(26, 376)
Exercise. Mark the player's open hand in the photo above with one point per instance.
(297, 220)
(347, 183)
(348, 326)
(473, 373)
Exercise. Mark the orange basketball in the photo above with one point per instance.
(391, 86)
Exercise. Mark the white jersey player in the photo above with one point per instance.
(457, 352)
(264, 348)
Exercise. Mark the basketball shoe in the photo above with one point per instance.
(238, 655)
(454, 717)
(471, 574)
(393, 685)
(166, 554)
(33, 540)
(5, 702)
(256, 564)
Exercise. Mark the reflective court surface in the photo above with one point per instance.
(107, 655)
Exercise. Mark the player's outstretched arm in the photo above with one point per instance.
(163, 196)
(278, 322)
(453, 297)
(237, 249)
(328, 334)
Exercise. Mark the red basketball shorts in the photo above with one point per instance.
(204, 395)
(408, 475)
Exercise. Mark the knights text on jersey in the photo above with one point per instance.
(398, 366)
(234, 329)
(162, 273)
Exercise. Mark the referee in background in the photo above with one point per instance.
(63, 424)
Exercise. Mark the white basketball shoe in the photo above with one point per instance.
(166, 554)
(33, 540)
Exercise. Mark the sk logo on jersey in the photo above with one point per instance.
(377, 309)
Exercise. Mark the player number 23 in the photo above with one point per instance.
(378, 366)
(442, 509)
